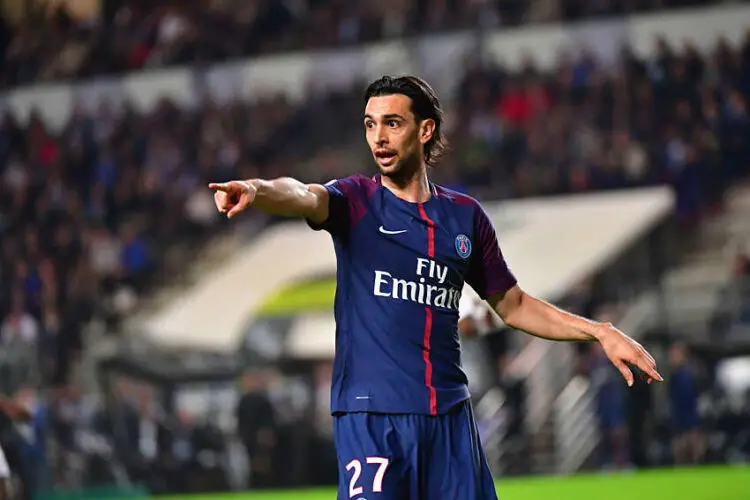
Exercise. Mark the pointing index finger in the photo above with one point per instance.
(218, 186)
(650, 371)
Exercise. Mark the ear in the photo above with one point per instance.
(426, 130)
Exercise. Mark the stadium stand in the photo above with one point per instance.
(99, 211)
(59, 42)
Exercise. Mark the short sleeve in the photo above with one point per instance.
(345, 206)
(488, 272)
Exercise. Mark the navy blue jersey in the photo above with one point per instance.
(401, 268)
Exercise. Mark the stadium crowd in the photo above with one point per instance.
(90, 214)
(679, 119)
(53, 44)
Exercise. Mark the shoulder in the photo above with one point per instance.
(473, 211)
(455, 197)
(353, 185)
(460, 200)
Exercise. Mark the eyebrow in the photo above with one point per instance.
(390, 116)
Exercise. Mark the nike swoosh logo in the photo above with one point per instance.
(385, 231)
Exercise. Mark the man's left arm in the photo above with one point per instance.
(523, 312)
(491, 278)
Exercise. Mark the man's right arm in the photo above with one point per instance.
(283, 196)
(291, 198)
(335, 207)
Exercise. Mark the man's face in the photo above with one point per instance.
(395, 137)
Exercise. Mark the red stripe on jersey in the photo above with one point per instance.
(428, 316)
(430, 232)
(427, 362)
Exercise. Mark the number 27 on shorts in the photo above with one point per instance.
(355, 469)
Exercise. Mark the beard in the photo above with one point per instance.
(402, 171)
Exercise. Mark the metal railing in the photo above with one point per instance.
(492, 419)
(547, 367)
(576, 429)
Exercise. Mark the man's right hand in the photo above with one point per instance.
(233, 197)
(284, 196)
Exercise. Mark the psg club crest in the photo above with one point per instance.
(463, 246)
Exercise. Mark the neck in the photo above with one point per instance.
(414, 188)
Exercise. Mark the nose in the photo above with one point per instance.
(381, 138)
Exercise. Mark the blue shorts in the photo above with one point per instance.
(411, 457)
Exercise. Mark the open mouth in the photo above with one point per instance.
(385, 157)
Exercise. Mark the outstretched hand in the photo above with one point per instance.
(623, 350)
(233, 197)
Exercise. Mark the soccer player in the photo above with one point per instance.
(404, 427)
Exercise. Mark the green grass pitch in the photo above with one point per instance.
(706, 483)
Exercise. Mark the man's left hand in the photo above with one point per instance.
(623, 350)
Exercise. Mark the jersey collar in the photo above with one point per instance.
(433, 188)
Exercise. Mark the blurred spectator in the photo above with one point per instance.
(128, 428)
(256, 427)
(611, 410)
(683, 398)
(323, 460)
(34, 450)
(71, 418)
(641, 421)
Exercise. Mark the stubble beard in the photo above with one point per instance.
(403, 171)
